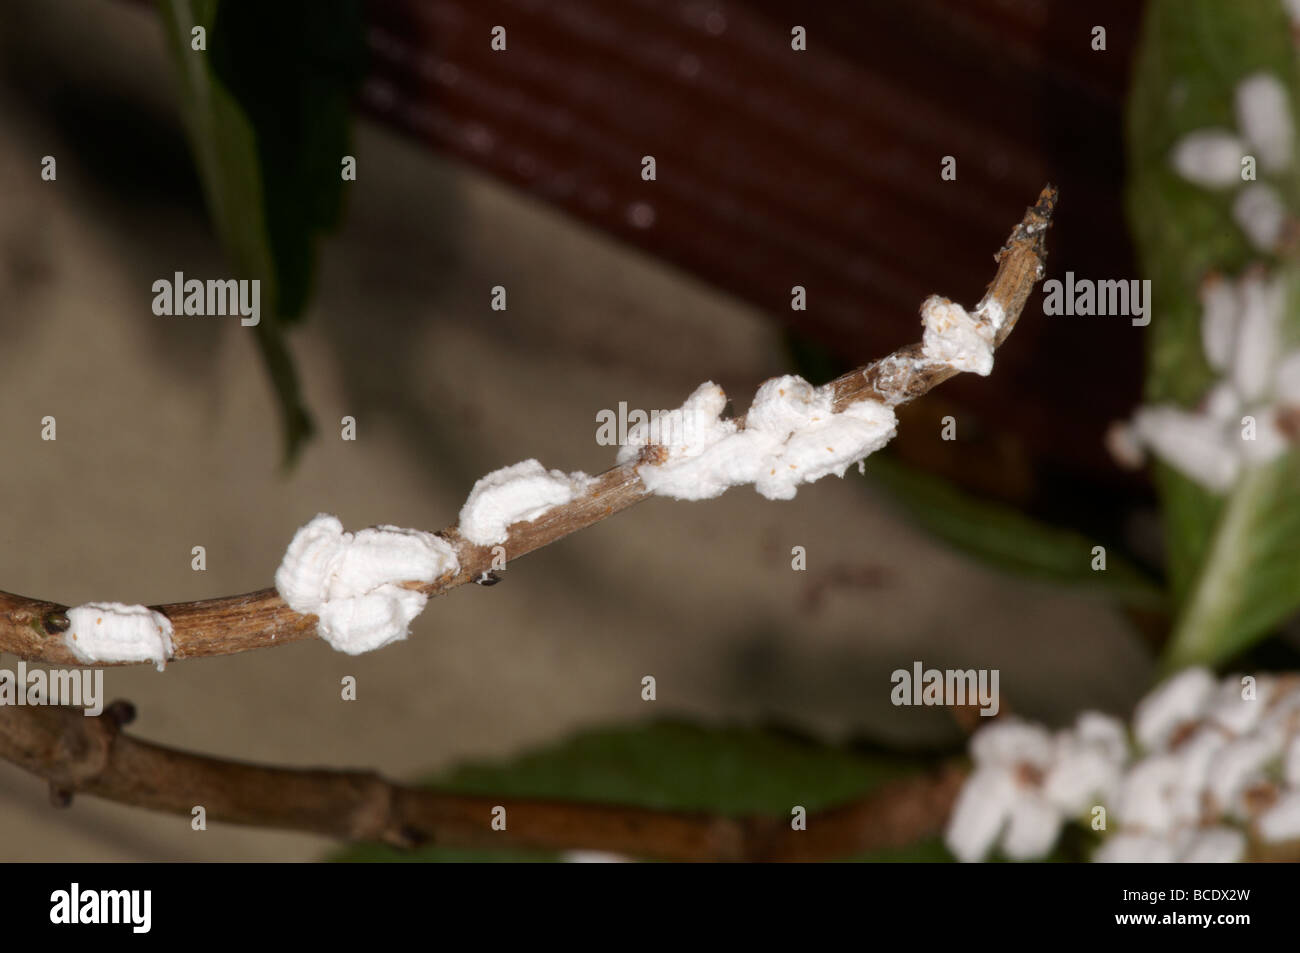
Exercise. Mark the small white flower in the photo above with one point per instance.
(1283, 712)
(1286, 380)
(1150, 798)
(1196, 755)
(1087, 764)
(1260, 212)
(1193, 444)
(1241, 335)
(1291, 763)
(1264, 117)
(1209, 157)
(1002, 799)
(1260, 319)
(1240, 764)
(1231, 711)
(1135, 849)
(1281, 822)
(1223, 404)
(1214, 845)
(593, 857)
(1011, 741)
(1124, 445)
(980, 814)
(1174, 702)
(1032, 829)
(1269, 442)
(1219, 308)
(1104, 732)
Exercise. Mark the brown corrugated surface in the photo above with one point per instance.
(818, 168)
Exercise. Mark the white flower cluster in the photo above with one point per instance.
(1209, 763)
(1249, 415)
(1215, 158)
(1246, 418)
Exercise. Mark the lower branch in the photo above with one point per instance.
(76, 754)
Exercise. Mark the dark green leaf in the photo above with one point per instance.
(1006, 538)
(265, 108)
(671, 765)
(293, 67)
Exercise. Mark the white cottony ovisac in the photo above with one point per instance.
(113, 632)
(792, 434)
(956, 338)
(515, 494)
(990, 312)
(353, 581)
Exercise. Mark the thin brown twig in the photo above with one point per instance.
(32, 628)
(76, 754)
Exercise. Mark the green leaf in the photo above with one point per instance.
(1250, 579)
(1006, 538)
(675, 766)
(1234, 565)
(265, 109)
(294, 67)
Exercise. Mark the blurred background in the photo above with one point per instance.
(522, 168)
